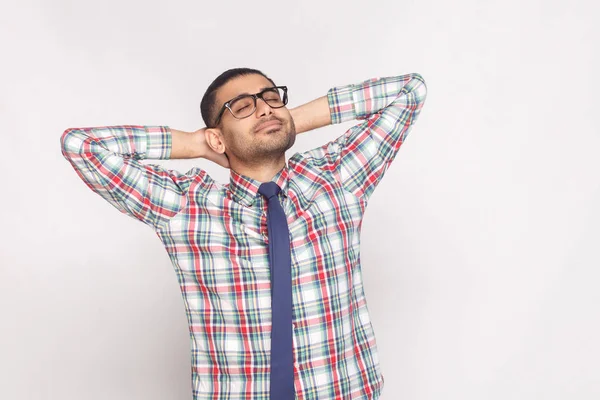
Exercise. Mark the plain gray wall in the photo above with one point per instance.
(479, 247)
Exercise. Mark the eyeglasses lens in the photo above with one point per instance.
(244, 106)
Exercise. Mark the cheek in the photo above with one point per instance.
(239, 137)
(283, 115)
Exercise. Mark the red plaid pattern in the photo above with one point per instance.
(216, 237)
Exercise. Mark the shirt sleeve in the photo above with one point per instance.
(389, 107)
(107, 160)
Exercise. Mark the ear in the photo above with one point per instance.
(214, 139)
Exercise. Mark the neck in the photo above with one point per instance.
(263, 172)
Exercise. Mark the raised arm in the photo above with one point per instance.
(312, 115)
(389, 107)
(107, 158)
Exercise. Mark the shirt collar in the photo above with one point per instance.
(244, 189)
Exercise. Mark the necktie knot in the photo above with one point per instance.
(269, 189)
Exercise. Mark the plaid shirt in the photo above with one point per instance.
(216, 237)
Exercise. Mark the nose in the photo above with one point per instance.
(262, 108)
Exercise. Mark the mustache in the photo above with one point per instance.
(266, 121)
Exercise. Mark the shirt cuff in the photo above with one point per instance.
(341, 103)
(158, 142)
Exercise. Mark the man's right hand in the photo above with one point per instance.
(207, 152)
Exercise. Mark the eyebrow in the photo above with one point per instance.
(246, 93)
(260, 90)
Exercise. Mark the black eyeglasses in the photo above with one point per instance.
(244, 105)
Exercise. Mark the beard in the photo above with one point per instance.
(266, 145)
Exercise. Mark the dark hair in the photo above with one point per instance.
(208, 106)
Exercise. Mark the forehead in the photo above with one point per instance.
(251, 84)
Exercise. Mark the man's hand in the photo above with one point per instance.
(207, 152)
(193, 145)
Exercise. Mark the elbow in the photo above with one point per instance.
(418, 76)
(65, 138)
(65, 135)
(419, 86)
(71, 141)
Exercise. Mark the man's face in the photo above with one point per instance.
(244, 139)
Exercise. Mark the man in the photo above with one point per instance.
(248, 260)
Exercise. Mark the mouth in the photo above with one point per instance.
(270, 124)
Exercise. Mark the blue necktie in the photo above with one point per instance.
(282, 359)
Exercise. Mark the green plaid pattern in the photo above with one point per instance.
(216, 237)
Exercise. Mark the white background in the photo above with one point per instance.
(480, 247)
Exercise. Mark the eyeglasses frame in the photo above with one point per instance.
(255, 97)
